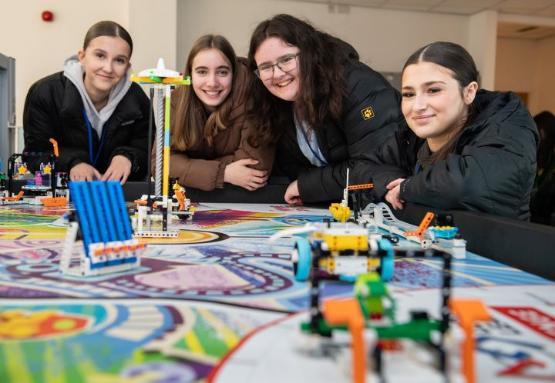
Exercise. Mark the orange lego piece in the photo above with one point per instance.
(347, 312)
(422, 227)
(469, 311)
(360, 186)
(54, 147)
(391, 345)
(180, 199)
(54, 201)
(179, 194)
(14, 198)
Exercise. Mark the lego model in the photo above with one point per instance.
(102, 221)
(339, 250)
(42, 187)
(333, 250)
(371, 316)
(60, 195)
(154, 220)
(37, 185)
(154, 212)
(441, 238)
(336, 251)
(341, 211)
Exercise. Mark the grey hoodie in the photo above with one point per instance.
(74, 72)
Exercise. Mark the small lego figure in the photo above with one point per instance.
(46, 169)
(179, 195)
(22, 169)
(38, 179)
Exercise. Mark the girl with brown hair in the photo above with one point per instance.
(466, 148)
(214, 141)
(331, 111)
(97, 116)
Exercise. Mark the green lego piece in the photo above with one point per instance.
(371, 293)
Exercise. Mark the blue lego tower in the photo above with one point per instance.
(101, 217)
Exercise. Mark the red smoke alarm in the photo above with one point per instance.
(47, 16)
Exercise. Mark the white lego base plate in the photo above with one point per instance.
(156, 234)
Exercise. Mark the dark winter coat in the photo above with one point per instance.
(54, 109)
(491, 169)
(370, 116)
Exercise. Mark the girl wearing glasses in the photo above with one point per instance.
(97, 116)
(466, 148)
(213, 139)
(333, 112)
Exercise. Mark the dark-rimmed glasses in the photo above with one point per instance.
(285, 63)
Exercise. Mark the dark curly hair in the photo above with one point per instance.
(320, 64)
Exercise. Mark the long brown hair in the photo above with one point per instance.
(457, 59)
(191, 124)
(320, 64)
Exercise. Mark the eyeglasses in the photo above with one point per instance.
(285, 63)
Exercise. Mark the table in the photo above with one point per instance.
(220, 303)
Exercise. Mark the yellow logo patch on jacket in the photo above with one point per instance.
(367, 113)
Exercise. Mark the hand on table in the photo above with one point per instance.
(119, 169)
(239, 173)
(84, 172)
(392, 196)
(292, 196)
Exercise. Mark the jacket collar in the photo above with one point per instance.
(493, 107)
(72, 105)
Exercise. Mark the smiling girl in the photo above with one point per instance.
(466, 148)
(213, 139)
(98, 117)
(332, 112)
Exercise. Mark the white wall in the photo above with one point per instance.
(527, 66)
(40, 48)
(384, 38)
(167, 28)
(482, 42)
(153, 26)
(546, 75)
(516, 66)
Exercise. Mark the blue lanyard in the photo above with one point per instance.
(93, 159)
(310, 147)
(417, 168)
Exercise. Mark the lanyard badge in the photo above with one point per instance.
(92, 158)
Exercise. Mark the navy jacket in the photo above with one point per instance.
(491, 170)
(54, 109)
(370, 116)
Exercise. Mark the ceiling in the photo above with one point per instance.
(524, 31)
(538, 8)
(544, 8)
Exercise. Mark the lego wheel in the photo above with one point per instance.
(302, 259)
(387, 265)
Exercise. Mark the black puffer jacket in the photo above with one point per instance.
(491, 170)
(370, 116)
(54, 109)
